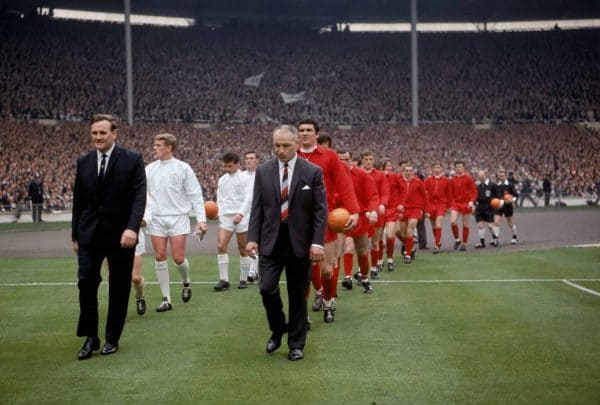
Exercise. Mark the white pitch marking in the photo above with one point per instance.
(587, 290)
(449, 281)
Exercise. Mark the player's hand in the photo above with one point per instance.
(75, 246)
(400, 208)
(316, 254)
(128, 239)
(237, 218)
(372, 217)
(382, 209)
(470, 204)
(252, 249)
(352, 222)
(143, 223)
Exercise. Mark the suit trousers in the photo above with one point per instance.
(297, 271)
(120, 263)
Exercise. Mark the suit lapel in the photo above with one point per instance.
(112, 161)
(295, 177)
(275, 179)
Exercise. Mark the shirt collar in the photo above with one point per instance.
(107, 153)
(291, 163)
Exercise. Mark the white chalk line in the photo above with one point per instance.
(582, 288)
(439, 281)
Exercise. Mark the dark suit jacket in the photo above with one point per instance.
(102, 211)
(307, 207)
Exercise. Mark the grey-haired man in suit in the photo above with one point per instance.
(287, 229)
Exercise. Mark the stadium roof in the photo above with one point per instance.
(321, 12)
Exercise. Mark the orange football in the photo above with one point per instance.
(212, 209)
(496, 203)
(337, 219)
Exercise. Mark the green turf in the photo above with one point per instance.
(451, 328)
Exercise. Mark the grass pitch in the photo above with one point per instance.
(451, 328)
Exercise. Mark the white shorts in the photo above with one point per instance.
(140, 248)
(169, 225)
(226, 222)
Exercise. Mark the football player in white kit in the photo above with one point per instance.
(251, 160)
(173, 192)
(233, 199)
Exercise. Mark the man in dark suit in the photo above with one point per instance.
(287, 229)
(109, 197)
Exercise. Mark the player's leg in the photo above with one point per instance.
(465, 231)
(161, 268)
(223, 238)
(390, 243)
(178, 243)
(454, 225)
(244, 259)
(411, 225)
(136, 276)
(361, 244)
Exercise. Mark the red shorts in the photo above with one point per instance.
(462, 208)
(371, 231)
(330, 236)
(391, 215)
(438, 210)
(362, 228)
(380, 220)
(411, 213)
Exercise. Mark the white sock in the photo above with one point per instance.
(496, 231)
(380, 261)
(481, 233)
(514, 229)
(390, 260)
(253, 266)
(184, 270)
(162, 275)
(244, 267)
(223, 263)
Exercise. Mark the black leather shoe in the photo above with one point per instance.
(109, 348)
(295, 354)
(273, 344)
(91, 344)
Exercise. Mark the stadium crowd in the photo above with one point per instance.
(566, 154)
(70, 70)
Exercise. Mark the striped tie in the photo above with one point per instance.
(284, 193)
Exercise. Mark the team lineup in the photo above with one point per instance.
(307, 211)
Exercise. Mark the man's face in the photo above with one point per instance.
(307, 135)
(161, 150)
(481, 175)
(345, 158)
(437, 170)
(250, 161)
(459, 168)
(103, 137)
(407, 171)
(388, 167)
(367, 162)
(230, 167)
(284, 145)
(502, 176)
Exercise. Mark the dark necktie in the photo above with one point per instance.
(284, 193)
(102, 168)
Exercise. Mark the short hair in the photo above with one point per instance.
(324, 139)
(251, 152)
(402, 162)
(105, 117)
(291, 129)
(459, 162)
(231, 157)
(168, 139)
(501, 171)
(366, 152)
(309, 121)
(342, 151)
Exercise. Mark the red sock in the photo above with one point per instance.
(316, 277)
(334, 280)
(363, 265)
(455, 231)
(390, 244)
(438, 235)
(409, 242)
(374, 256)
(348, 261)
(380, 250)
(465, 234)
(327, 288)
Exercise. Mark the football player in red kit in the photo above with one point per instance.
(367, 162)
(337, 184)
(438, 192)
(413, 201)
(463, 194)
(391, 212)
(368, 199)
